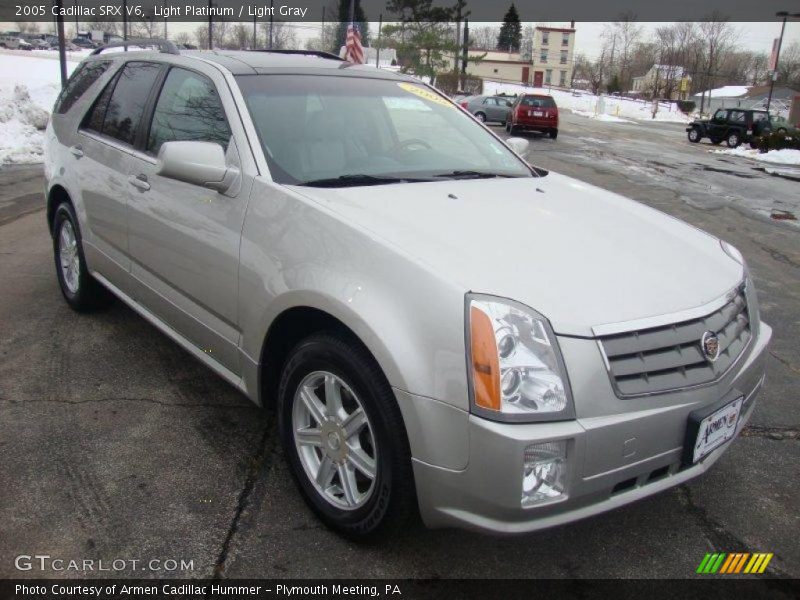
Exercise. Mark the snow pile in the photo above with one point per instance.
(28, 88)
(782, 157)
(589, 105)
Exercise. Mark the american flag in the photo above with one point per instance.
(355, 51)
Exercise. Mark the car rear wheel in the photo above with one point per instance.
(733, 139)
(694, 135)
(481, 117)
(81, 291)
(553, 134)
(344, 438)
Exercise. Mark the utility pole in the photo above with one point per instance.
(271, 20)
(124, 22)
(322, 32)
(458, 34)
(774, 76)
(210, 26)
(255, 35)
(378, 49)
(166, 3)
(62, 51)
(464, 55)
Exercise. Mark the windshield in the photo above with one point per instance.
(368, 131)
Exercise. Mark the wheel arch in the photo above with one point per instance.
(294, 321)
(55, 196)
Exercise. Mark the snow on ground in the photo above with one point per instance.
(29, 85)
(598, 107)
(782, 157)
(726, 91)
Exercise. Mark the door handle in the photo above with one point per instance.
(139, 182)
(77, 151)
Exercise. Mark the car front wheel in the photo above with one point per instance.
(344, 437)
(81, 291)
(694, 135)
(733, 140)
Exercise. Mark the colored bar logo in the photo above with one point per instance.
(731, 563)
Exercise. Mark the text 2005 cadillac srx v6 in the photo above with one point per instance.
(441, 327)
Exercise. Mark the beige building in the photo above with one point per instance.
(549, 63)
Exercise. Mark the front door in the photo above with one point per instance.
(184, 238)
(538, 78)
(526, 74)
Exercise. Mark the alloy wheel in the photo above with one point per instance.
(68, 256)
(334, 440)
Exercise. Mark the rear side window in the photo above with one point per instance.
(81, 80)
(94, 118)
(126, 105)
(188, 109)
(539, 101)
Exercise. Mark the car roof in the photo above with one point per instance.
(246, 62)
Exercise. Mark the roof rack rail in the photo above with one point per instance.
(164, 46)
(319, 53)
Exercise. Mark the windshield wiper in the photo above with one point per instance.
(467, 174)
(358, 179)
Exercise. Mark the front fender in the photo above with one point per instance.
(296, 253)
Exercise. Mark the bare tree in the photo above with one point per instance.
(28, 27)
(241, 36)
(201, 36)
(146, 28)
(789, 66)
(483, 38)
(717, 34)
(182, 38)
(284, 36)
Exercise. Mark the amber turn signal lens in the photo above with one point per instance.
(485, 362)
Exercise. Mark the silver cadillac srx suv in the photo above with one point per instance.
(441, 327)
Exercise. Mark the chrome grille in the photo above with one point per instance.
(660, 359)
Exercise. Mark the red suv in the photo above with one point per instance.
(534, 112)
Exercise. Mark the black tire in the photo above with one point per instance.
(553, 134)
(393, 498)
(89, 294)
(694, 135)
(480, 116)
(733, 140)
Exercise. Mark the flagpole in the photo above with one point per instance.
(352, 10)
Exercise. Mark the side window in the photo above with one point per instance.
(81, 80)
(737, 116)
(188, 109)
(94, 118)
(126, 106)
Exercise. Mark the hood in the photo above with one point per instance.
(579, 255)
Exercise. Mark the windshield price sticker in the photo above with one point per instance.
(424, 94)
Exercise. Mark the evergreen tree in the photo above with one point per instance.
(511, 31)
(344, 20)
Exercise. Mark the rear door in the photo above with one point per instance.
(183, 238)
(103, 149)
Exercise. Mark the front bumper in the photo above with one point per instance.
(613, 458)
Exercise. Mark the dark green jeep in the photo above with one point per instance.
(734, 126)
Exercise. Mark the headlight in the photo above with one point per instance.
(516, 369)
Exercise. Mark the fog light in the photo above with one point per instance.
(544, 473)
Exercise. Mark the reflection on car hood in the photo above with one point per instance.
(580, 255)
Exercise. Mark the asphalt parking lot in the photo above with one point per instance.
(115, 443)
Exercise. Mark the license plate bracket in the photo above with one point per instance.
(710, 427)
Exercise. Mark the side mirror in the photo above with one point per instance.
(199, 163)
(518, 145)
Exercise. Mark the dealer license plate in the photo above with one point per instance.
(537, 113)
(717, 428)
